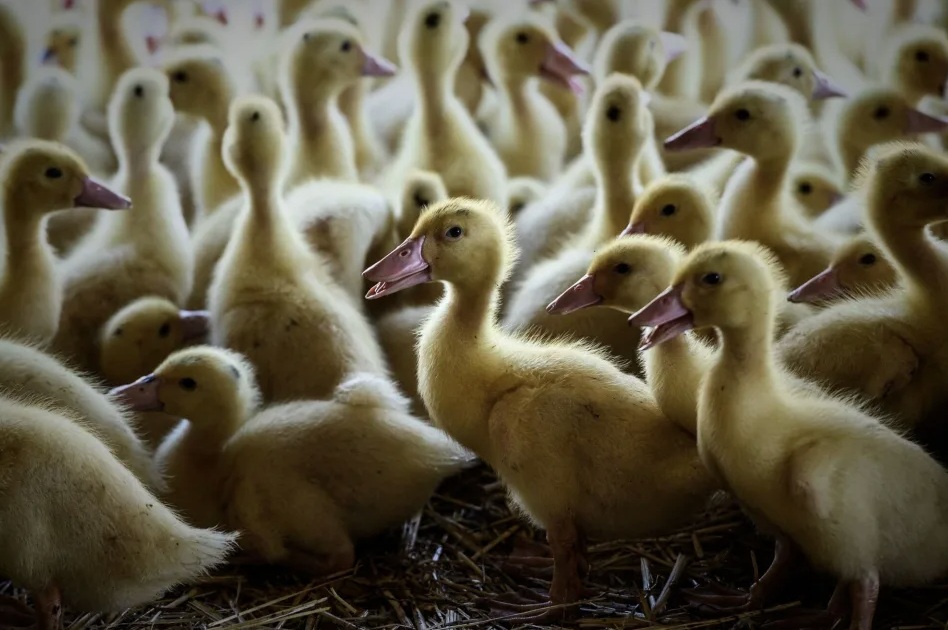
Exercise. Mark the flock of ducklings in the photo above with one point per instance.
(638, 257)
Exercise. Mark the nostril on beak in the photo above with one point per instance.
(403, 253)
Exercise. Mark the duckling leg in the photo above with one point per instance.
(49, 610)
(829, 618)
(865, 594)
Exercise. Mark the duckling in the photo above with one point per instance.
(354, 465)
(327, 57)
(791, 65)
(142, 252)
(918, 62)
(822, 451)
(859, 267)
(202, 87)
(501, 385)
(113, 49)
(28, 371)
(39, 178)
(12, 66)
(814, 189)
(528, 132)
(268, 277)
(625, 275)
(441, 136)
(676, 207)
(889, 348)
(523, 191)
(763, 121)
(126, 549)
(62, 43)
(422, 189)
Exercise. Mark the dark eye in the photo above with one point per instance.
(522, 38)
(306, 37)
(622, 268)
(711, 278)
(433, 20)
(119, 331)
(922, 56)
(188, 384)
(742, 114)
(805, 188)
(669, 210)
(54, 173)
(165, 330)
(73, 42)
(881, 112)
(139, 91)
(346, 46)
(254, 117)
(927, 178)
(867, 259)
(517, 207)
(454, 233)
(180, 76)
(420, 201)
(614, 113)
(798, 72)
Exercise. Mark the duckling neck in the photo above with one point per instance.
(12, 73)
(752, 198)
(323, 136)
(744, 365)
(922, 263)
(117, 53)
(436, 97)
(29, 260)
(616, 195)
(211, 432)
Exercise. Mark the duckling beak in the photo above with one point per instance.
(259, 20)
(374, 66)
(153, 43)
(560, 65)
(634, 228)
(404, 267)
(142, 395)
(698, 135)
(194, 325)
(95, 195)
(820, 287)
(579, 296)
(49, 55)
(825, 87)
(675, 45)
(221, 16)
(860, 4)
(667, 315)
(920, 122)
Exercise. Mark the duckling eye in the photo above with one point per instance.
(118, 331)
(522, 38)
(881, 113)
(867, 259)
(669, 210)
(254, 117)
(805, 188)
(420, 201)
(711, 278)
(454, 233)
(306, 37)
(798, 72)
(433, 20)
(165, 330)
(742, 114)
(517, 207)
(139, 91)
(180, 76)
(188, 384)
(927, 178)
(922, 56)
(73, 42)
(53, 173)
(614, 113)
(346, 46)
(622, 268)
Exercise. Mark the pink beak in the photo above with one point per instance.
(825, 87)
(195, 324)
(675, 45)
(259, 20)
(403, 268)
(920, 122)
(69, 4)
(823, 286)
(95, 195)
(561, 66)
(699, 135)
(634, 228)
(221, 16)
(579, 296)
(666, 314)
(860, 4)
(153, 43)
(142, 395)
(377, 66)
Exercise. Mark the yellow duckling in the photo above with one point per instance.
(791, 65)
(676, 207)
(814, 189)
(858, 268)
(917, 62)
(63, 43)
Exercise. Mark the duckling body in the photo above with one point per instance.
(12, 66)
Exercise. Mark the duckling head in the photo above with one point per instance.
(140, 114)
(791, 65)
(40, 177)
(727, 285)
(464, 242)
(62, 46)
(633, 48)
(918, 63)
(762, 120)
(196, 383)
(905, 184)
(200, 85)
(618, 123)
(433, 40)
(625, 275)
(522, 191)
(421, 189)
(674, 206)
(47, 106)
(143, 334)
(255, 141)
(520, 49)
(815, 189)
(328, 55)
(859, 265)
